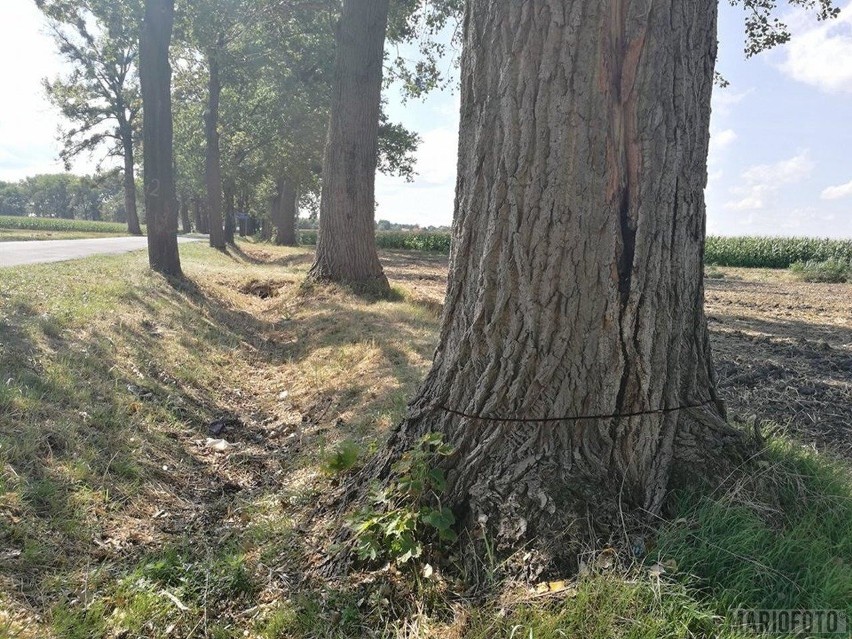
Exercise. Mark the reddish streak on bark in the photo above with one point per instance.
(576, 282)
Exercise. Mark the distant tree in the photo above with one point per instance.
(189, 91)
(212, 27)
(346, 246)
(85, 199)
(155, 74)
(110, 186)
(100, 96)
(49, 195)
(13, 199)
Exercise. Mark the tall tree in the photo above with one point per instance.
(213, 27)
(100, 95)
(346, 246)
(574, 378)
(213, 158)
(155, 74)
(189, 91)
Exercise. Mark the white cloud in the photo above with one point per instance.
(28, 123)
(722, 139)
(837, 192)
(725, 99)
(436, 157)
(763, 181)
(821, 56)
(429, 199)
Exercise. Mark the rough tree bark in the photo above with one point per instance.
(155, 75)
(133, 226)
(346, 246)
(213, 159)
(284, 211)
(576, 288)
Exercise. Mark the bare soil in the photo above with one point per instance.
(783, 351)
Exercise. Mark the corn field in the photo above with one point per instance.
(774, 252)
(58, 224)
(752, 252)
(400, 240)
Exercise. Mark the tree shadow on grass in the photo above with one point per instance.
(104, 428)
(302, 256)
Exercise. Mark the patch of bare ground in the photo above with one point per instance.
(783, 352)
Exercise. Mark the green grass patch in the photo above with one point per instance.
(834, 271)
(779, 539)
(13, 235)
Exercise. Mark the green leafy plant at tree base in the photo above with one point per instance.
(397, 521)
(344, 458)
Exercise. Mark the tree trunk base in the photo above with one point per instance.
(517, 507)
(376, 286)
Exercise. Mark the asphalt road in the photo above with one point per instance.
(42, 252)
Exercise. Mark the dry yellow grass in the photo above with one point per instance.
(112, 377)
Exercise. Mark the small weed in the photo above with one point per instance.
(713, 273)
(397, 521)
(344, 458)
(46, 497)
(79, 622)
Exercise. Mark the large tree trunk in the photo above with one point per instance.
(574, 374)
(285, 212)
(213, 173)
(346, 247)
(155, 75)
(133, 226)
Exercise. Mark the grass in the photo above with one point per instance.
(9, 222)
(117, 519)
(828, 271)
(110, 378)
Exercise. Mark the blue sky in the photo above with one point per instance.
(780, 162)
